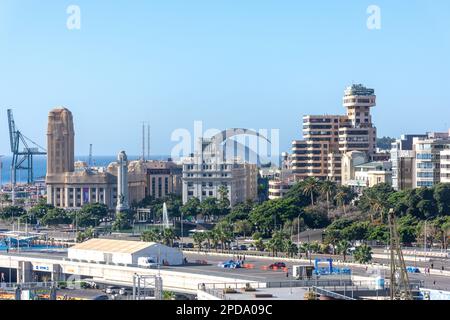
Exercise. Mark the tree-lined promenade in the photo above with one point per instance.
(310, 204)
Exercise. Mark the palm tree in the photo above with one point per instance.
(259, 244)
(213, 238)
(290, 248)
(223, 193)
(309, 187)
(363, 254)
(342, 248)
(151, 236)
(327, 188)
(169, 236)
(377, 205)
(340, 198)
(199, 237)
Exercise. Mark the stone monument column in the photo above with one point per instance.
(122, 183)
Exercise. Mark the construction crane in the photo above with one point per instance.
(23, 154)
(400, 288)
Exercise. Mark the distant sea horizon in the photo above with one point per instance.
(40, 166)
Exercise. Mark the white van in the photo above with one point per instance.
(147, 262)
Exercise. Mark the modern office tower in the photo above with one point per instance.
(445, 166)
(402, 159)
(60, 142)
(327, 137)
(427, 167)
(207, 172)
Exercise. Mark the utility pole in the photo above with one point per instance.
(425, 237)
(1, 173)
(298, 233)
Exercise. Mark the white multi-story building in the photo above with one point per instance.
(445, 166)
(206, 173)
(427, 163)
(402, 159)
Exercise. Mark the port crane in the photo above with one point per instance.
(23, 151)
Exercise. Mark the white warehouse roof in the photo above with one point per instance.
(113, 246)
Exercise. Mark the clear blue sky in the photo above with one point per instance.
(230, 63)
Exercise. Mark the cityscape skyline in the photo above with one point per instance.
(177, 65)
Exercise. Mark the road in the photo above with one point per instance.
(258, 274)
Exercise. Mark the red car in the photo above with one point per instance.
(277, 265)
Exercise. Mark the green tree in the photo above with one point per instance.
(199, 238)
(276, 244)
(442, 197)
(259, 244)
(210, 208)
(344, 196)
(243, 227)
(39, 211)
(332, 236)
(191, 208)
(363, 254)
(95, 211)
(169, 236)
(56, 216)
(12, 212)
(328, 188)
(290, 248)
(342, 248)
(151, 236)
(121, 222)
(310, 188)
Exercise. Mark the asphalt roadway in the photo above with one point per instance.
(257, 274)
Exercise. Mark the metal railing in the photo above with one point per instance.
(28, 285)
(331, 294)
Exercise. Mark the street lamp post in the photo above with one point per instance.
(182, 234)
(298, 232)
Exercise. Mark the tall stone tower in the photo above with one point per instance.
(60, 142)
(122, 183)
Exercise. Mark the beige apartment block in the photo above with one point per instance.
(327, 137)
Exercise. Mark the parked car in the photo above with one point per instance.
(190, 245)
(277, 265)
(252, 248)
(126, 291)
(176, 245)
(101, 297)
(243, 247)
(234, 248)
(112, 290)
(147, 262)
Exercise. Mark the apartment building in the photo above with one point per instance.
(207, 172)
(427, 161)
(445, 166)
(327, 137)
(402, 159)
